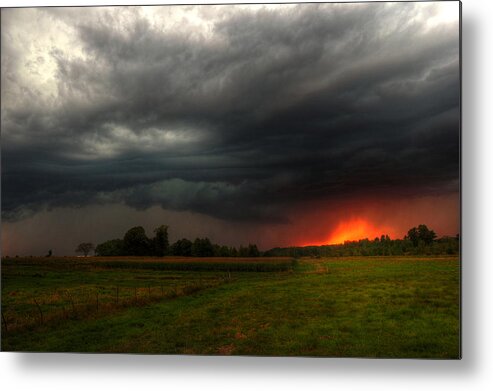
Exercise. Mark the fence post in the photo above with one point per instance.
(39, 309)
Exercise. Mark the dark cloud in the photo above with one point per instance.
(261, 110)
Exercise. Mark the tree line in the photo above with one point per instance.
(419, 240)
(136, 243)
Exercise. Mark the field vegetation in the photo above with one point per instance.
(339, 307)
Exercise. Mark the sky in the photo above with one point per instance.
(278, 125)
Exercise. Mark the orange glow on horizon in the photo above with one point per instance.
(354, 229)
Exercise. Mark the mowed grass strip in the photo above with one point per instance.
(257, 264)
(354, 307)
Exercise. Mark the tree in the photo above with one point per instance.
(233, 252)
(202, 248)
(84, 248)
(224, 251)
(136, 242)
(110, 248)
(253, 250)
(160, 241)
(413, 236)
(243, 252)
(425, 234)
(50, 253)
(420, 233)
(182, 247)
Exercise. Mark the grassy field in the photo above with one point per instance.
(339, 307)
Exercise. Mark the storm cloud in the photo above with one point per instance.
(238, 112)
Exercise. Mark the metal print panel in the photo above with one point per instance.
(247, 179)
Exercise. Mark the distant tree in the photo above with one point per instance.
(233, 252)
(413, 236)
(136, 242)
(84, 248)
(216, 248)
(50, 253)
(110, 248)
(425, 234)
(202, 248)
(420, 233)
(160, 242)
(182, 248)
(253, 250)
(224, 251)
(243, 251)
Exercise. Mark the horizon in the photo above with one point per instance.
(347, 239)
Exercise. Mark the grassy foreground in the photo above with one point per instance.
(339, 307)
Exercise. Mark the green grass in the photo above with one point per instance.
(339, 307)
